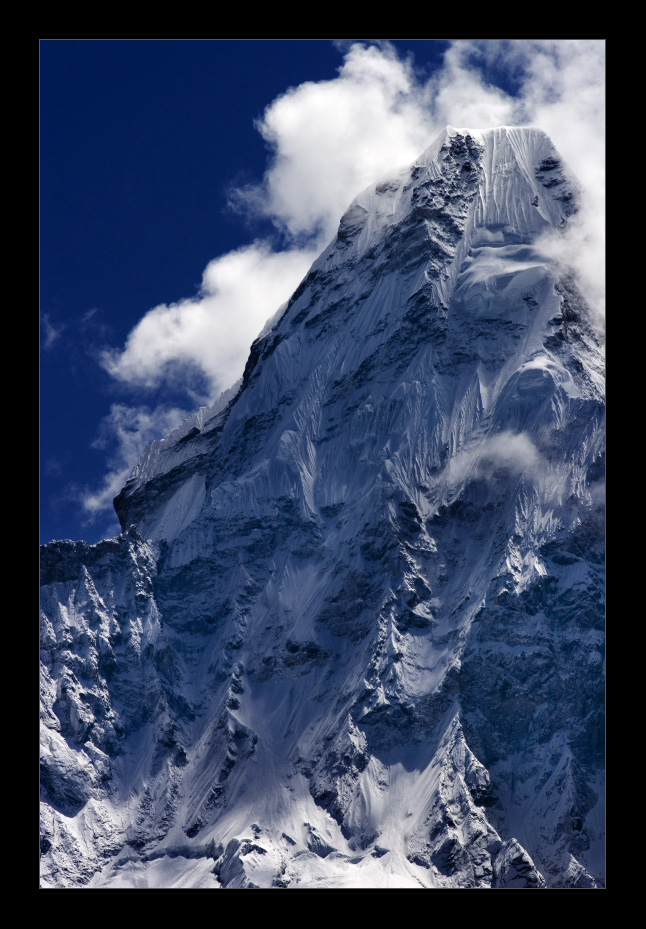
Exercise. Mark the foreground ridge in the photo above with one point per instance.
(352, 631)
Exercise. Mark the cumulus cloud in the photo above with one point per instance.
(212, 331)
(124, 433)
(332, 138)
(328, 140)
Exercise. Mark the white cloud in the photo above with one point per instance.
(51, 333)
(332, 138)
(458, 94)
(212, 331)
(510, 452)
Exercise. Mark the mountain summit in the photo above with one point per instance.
(351, 634)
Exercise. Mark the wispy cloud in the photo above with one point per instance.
(51, 332)
(123, 434)
(507, 452)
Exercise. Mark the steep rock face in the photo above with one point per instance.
(352, 634)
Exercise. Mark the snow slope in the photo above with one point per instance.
(352, 633)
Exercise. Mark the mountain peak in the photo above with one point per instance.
(356, 638)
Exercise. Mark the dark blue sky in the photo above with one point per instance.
(140, 143)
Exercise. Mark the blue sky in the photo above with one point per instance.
(186, 186)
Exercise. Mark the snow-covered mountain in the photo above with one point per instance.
(352, 632)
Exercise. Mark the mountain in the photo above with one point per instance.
(352, 632)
